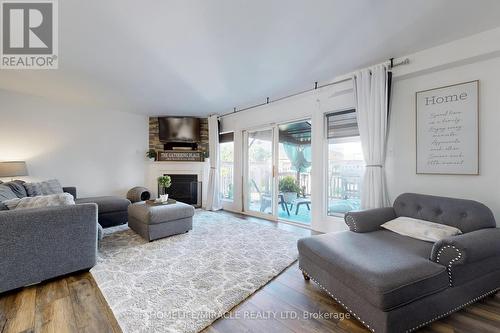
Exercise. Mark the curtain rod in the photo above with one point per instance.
(316, 86)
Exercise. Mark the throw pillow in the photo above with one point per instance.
(43, 188)
(62, 199)
(6, 193)
(17, 187)
(420, 229)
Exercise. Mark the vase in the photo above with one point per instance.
(163, 190)
(290, 197)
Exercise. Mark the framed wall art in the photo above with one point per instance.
(447, 129)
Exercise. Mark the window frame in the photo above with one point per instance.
(335, 217)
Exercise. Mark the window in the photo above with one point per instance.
(346, 164)
(226, 145)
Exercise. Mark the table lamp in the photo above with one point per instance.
(13, 169)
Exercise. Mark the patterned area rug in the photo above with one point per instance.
(185, 282)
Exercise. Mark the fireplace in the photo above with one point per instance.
(185, 188)
(199, 169)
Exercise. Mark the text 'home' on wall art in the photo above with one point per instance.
(448, 129)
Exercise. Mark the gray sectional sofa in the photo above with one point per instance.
(111, 210)
(42, 243)
(394, 283)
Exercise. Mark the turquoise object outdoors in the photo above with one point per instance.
(299, 155)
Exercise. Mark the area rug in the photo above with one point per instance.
(184, 283)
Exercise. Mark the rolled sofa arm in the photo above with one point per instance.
(470, 247)
(369, 220)
(42, 243)
(71, 190)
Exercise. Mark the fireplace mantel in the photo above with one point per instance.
(156, 169)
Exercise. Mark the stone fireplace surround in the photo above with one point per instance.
(157, 169)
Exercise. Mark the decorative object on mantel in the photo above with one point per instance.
(13, 169)
(447, 129)
(151, 155)
(164, 182)
(186, 156)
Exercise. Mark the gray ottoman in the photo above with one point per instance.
(155, 222)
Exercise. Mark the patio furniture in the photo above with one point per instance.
(284, 205)
(299, 202)
(265, 200)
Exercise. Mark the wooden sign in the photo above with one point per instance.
(448, 129)
(180, 156)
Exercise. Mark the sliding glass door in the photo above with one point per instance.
(259, 176)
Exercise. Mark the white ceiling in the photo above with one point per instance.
(195, 57)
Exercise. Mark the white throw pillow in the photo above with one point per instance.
(420, 229)
(62, 199)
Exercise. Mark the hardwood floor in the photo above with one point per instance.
(72, 303)
(286, 304)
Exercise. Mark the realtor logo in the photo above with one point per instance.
(29, 34)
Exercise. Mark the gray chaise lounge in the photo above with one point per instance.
(394, 283)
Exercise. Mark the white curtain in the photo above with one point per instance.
(213, 199)
(370, 91)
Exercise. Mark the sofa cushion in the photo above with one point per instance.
(61, 199)
(387, 269)
(5, 194)
(107, 204)
(17, 187)
(47, 187)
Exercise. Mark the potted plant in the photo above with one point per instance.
(151, 155)
(290, 189)
(164, 182)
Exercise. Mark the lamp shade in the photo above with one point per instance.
(13, 169)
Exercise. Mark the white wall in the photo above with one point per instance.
(101, 152)
(401, 156)
(471, 58)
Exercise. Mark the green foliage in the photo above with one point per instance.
(289, 184)
(165, 181)
(151, 154)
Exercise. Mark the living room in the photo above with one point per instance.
(232, 166)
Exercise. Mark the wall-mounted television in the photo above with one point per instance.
(179, 129)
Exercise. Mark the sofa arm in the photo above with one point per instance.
(71, 190)
(470, 247)
(42, 243)
(369, 220)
